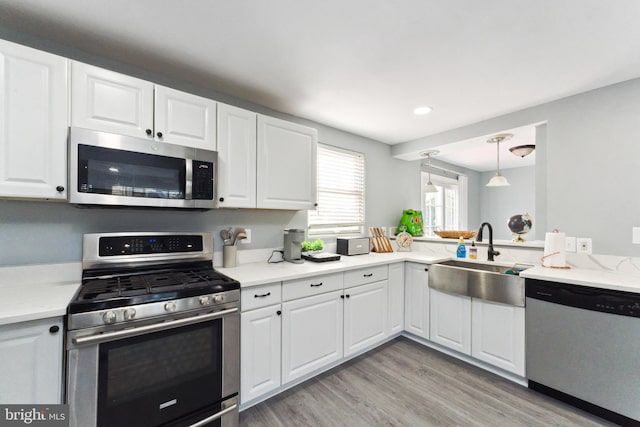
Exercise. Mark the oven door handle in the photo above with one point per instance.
(215, 416)
(132, 332)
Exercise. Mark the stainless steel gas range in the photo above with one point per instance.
(153, 334)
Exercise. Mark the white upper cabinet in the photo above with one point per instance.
(33, 123)
(112, 102)
(236, 157)
(185, 119)
(286, 165)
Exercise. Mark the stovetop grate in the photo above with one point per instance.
(99, 289)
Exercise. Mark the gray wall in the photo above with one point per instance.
(44, 232)
(589, 166)
(498, 204)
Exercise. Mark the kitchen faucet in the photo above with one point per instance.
(490, 252)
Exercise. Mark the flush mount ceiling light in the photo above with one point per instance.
(498, 180)
(421, 111)
(430, 188)
(522, 150)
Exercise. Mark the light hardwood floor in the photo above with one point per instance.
(403, 383)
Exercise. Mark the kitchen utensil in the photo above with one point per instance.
(239, 236)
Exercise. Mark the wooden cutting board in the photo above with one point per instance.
(380, 243)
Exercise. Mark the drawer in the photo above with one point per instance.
(365, 275)
(260, 296)
(300, 288)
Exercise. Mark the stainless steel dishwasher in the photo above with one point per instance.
(583, 347)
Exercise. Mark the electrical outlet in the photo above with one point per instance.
(584, 245)
(247, 231)
(570, 244)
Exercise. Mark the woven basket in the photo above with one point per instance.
(455, 234)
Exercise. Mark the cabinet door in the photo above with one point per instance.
(416, 308)
(498, 335)
(33, 123)
(111, 102)
(311, 334)
(184, 119)
(396, 298)
(259, 352)
(236, 157)
(31, 368)
(286, 160)
(450, 320)
(365, 316)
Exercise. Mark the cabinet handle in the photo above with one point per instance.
(54, 329)
(262, 296)
(426, 269)
(342, 296)
(221, 199)
(348, 295)
(59, 188)
(159, 134)
(148, 131)
(278, 312)
(368, 275)
(315, 204)
(316, 285)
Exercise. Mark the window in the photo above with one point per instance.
(340, 192)
(446, 209)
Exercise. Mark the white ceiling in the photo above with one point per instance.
(360, 65)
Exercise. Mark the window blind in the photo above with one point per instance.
(340, 192)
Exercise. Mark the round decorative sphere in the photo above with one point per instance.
(520, 224)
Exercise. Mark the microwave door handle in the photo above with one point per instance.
(188, 185)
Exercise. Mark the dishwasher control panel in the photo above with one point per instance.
(589, 298)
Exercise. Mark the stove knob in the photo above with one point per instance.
(129, 313)
(218, 298)
(109, 317)
(170, 306)
(205, 300)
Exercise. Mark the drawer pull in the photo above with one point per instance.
(262, 296)
(368, 275)
(316, 285)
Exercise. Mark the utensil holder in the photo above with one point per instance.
(229, 255)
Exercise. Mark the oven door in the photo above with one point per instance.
(176, 373)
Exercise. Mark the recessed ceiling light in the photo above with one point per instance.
(420, 111)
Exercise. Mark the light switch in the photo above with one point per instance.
(635, 235)
(570, 244)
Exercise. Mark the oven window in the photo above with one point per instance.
(153, 379)
(126, 173)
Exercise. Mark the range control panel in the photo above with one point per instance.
(138, 245)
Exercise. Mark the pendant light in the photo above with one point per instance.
(498, 180)
(430, 188)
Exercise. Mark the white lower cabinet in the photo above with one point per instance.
(260, 352)
(450, 320)
(396, 298)
(31, 362)
(365, 316)
(416, 308)
(312, 334)
(498, 335)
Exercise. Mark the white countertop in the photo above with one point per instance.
(593, 278)
(33, 292)
(259, 273)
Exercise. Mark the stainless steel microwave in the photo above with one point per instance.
(117, 170)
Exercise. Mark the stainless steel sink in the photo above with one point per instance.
(484, 281)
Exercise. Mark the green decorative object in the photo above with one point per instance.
(411, 222)
(316, 245)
